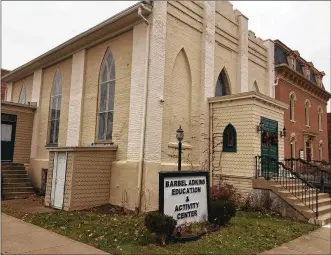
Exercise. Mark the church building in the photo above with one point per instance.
(101, 110)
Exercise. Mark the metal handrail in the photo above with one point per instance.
(299, 187)
(311, 172)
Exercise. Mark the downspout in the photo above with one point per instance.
(143, 127)
(274, 86)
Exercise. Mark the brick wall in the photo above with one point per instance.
(23, 130)
(283, 90)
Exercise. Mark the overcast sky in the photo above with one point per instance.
(29, 29)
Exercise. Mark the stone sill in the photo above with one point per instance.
(84, 148)
(185, 146)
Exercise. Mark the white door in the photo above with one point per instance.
(59, 174)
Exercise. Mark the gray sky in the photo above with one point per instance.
(29, 29)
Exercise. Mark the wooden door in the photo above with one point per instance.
(269, 146)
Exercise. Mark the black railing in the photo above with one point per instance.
(269, 168)
(312, 172)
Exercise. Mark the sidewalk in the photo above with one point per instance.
(317, 242)
(20, 237)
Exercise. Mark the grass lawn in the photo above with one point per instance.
(247, 233)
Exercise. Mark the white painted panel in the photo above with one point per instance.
(59, 173)
(54, 178)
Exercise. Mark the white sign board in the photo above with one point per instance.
(301, 154)
(184, 195)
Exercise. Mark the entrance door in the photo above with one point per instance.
(58, 183)
(269, 147)
(308, 152)
(8, 130)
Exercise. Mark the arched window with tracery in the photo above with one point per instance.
(230, 139)
(55, 109)
(106, 98)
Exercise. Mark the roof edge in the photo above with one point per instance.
(85, 34)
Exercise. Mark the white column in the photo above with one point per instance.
(35, 97)
(9, 91)
(242, 73)
(153, 136)
(207, 77)
(270, 80)
(137, 90)
(76, 98)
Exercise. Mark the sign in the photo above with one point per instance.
(184, 195)
(301, 154)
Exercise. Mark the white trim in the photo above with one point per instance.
(35, 97)
(76, 99)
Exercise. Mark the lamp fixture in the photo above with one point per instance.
(283, 133)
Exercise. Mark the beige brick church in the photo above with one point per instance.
(101, 110)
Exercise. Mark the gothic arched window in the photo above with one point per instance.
(22, 98)
(106, 97)
(222, 85)
(229, 139)
(55, 109)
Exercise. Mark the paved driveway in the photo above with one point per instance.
(19, 237)
(317, 242)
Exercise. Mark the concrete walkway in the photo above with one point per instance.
(19, 237)
(317, 242)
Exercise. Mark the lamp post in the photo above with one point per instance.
(180, 136)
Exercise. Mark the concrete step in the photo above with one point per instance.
(322, 220)
(326, 209)
(11, 164)
(9, 190)
(17, 184)
(15, 195)
(12, 168)
(16, 180)
(14, 175)
(13, 171)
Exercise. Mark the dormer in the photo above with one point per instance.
(319, 78)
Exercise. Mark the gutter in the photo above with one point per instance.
(143, 127)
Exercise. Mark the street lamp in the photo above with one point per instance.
(180, 136)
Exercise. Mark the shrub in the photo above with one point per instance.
(162, 225)
(221, 211)
(225, 191)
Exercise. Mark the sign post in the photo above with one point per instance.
(184, 195)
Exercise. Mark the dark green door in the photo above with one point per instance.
(269, 147)
(8, 129)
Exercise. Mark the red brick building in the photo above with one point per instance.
(3, 84)
(299, 84)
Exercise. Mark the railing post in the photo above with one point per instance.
(316, 203)
(322, 183)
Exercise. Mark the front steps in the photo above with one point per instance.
(324, 201)
(16, 182)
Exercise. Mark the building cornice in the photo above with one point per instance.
(123, 21)
(250, 95)
(301, 81)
